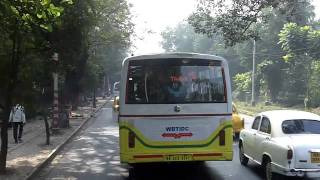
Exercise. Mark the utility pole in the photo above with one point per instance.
(55, 120)
(253, 103)
(109, 89)
(104, 86)
(96, 29)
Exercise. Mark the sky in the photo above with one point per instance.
(153, 16)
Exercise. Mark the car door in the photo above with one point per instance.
(249, 142)
(262, 137)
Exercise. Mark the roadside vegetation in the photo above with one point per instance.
(248, 109)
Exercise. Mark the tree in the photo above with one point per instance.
(235, 20)
(242, 84)
(19, 19)
(91, 32)
(183, 38)
(301, 44)
(272, 75)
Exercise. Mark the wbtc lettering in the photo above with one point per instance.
(180, 129)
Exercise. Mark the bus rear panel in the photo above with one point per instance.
(175, 108)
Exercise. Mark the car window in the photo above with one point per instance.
(256, 123)
(301, 126)
(265, 125)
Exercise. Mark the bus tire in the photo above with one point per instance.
(132, 172)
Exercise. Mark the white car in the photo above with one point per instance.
(285, 142)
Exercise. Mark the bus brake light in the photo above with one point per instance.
(222, 138)
(131, 139)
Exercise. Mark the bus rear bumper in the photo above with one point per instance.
(176, 157)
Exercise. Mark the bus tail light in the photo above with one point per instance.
(289, 154)
(222, 138)
(131, 139)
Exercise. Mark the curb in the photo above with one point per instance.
(55, 151)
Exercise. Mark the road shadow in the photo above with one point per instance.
(174, 171)
(93, 154)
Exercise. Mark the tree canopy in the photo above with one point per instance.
(236, 19)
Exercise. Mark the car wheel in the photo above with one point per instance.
(243, 159)
(268, 171)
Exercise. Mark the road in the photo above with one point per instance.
(93, 154)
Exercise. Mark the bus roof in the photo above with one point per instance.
(175, 55)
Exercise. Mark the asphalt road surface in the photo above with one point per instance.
(93, 154)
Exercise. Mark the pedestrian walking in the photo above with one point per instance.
(18, 119)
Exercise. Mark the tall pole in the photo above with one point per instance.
(104, 86)
(55, 120)
(109, 89)
(253, 103)
(94, 53)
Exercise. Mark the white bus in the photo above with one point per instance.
(174, 107)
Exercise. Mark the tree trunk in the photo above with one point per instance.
(94, 97)
(46, 123)
(4, 146)
(16, 46)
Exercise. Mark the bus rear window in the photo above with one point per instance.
(168, 81)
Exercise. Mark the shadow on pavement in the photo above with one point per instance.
(94, 154)
(174, 171)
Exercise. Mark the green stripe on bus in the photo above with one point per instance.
(176, 146)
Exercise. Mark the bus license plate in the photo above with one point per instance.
(179, 157)
(315, 157)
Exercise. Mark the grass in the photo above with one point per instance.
(247, 109)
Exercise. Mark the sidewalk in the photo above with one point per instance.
(25, 157)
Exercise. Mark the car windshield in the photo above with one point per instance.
(166, 81)
(301, 126)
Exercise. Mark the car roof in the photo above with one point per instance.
(276, 118)
(280, 115)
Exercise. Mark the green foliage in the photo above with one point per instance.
(92, 38)
(31, 14)
(243, 81)
(241, 21)
(109, 39)
(93, 34)
(182, 38)
(301, 43)
(93, 75)
(237, 20)
(272, 75)
(294, 39)
(314, 44)
(314, 85)
(179, 39)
